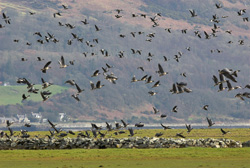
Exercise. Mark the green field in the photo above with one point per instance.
(132, 158)
(13, 94)
(137, 158)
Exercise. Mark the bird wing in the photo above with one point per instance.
(98, 84)
(160, 68)
(96, 28)
(47, 64)
(229, 85)
(215, 79)
(62, 60)
(42, 80)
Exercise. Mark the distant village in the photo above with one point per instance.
(33, 117)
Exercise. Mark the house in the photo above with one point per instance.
(23, 118)
(4, 119)
(63, 117)
(37, 116)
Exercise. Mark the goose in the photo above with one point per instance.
(11, 131)
(193, 14)
(29, 85)
(205, 107)
(39, 59)
(161, 71)
(102, 135)
(246, 94)
(108, 126)
(98, 85)
(151, 93)
(221, 88)
(45, 84)
(184, 31)
(158, 134)
(180, 89)
(240, 96)
(118, 11)
(131, 132)
(168, 29)
(144, 78)
(33, 90)
(165, 58)
(122, 35)
(117, 125)
(156, 84)
(72, 62)
(24, 59)
(24, 97)
(94, 133)
(210, 123)
(189, 128)
(85, 22)
(32, 13)
(141, 68)
(174, 109)
(247, 86)
(224, 132)
(60, 24)
(57, 13)
(75, 96)
(94, 126)
(245, 19)
(1, 26)
(156, 110)
(21, 80)
(227, 73)
(207, 36)
(183, 74)
(149, 80)
(140, 124)
(229, 86)
(218, 6)
(8, 123)
(71, 132)
(62, 63)
(165, 127)
(187, 90)
(27, 125)
(65, 7)
(96, 73)
(124, 124)
(46, 92)
(174, 89)
(92, 85)
(163, 115)
(79, 90)
(180, 135)
(71, 82)
(46, 67)
(44, 97)
(97, 28)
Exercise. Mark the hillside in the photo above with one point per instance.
(124, 99)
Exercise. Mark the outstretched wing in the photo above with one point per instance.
(47, 64)
(160, 68)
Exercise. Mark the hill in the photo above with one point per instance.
(155, 36)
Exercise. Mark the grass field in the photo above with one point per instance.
(13, 94)
(130, 158)
(137, 158)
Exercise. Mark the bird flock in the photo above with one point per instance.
(226, 75)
